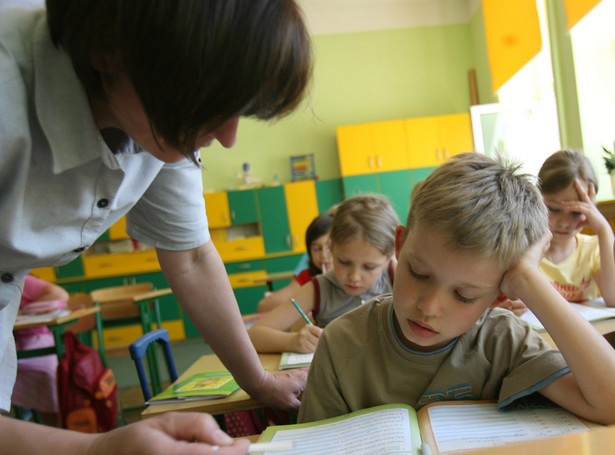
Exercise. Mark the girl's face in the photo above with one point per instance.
(320, 253)
(563, 223)
(357, 265)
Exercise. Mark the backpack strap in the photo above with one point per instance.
(316, 297)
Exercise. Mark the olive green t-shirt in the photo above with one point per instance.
(360, 362)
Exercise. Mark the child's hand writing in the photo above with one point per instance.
(307, 338)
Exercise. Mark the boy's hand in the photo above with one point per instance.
(307, 338)
(512, 284)
(585, 206)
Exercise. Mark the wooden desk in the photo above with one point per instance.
(603, 326)
(57, 326)
(270, 278)
(597, 441)
(238, 401)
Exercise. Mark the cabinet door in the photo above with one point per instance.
(396, 187)
(216, 206)
(302, 208)
(118, 230)
(354, 145)
(390, 147)
(423, 142)
(274, 219)
(329, 193)
(360, 184)
(242, 206)
(455, 133)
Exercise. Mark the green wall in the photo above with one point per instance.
(358, 78)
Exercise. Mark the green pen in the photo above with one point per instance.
(303, 315)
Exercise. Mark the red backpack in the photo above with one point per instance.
(87, 391)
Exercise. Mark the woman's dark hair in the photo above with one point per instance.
(560, 169)
(317, 228)
(194, 63)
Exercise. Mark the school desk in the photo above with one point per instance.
(57, 326)
(238, 401)
(603, 326)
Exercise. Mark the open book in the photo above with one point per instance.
(443, 427)
(591, 312)
(201, 386)
(290, 360)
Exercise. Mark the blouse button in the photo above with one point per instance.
(102, 203)
(7, 277)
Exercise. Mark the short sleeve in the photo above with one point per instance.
(171, 213)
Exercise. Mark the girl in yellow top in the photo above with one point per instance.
(581, 267)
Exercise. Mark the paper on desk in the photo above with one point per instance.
(43, 317)
(590, 313)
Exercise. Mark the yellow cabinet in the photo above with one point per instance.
(302, 208)
(372, 147)
(216, 206)
(118, 230)
(432, 140)
(102, 265)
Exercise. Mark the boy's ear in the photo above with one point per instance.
(400, 237)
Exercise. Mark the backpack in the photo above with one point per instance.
(87, 391)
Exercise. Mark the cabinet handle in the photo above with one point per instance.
(438, 156)
(370, 162)
(233, 215)
(288, 244)
(242, 248)
(378, 161)
(224, 218)
(445, 153)
(296, 239)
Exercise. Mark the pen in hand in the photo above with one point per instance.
(303, 315)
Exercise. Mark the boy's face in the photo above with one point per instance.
(125, 111)
(438, 293)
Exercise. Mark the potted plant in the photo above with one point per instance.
(609, 163)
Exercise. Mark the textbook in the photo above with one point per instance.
(295, 360)
(590, 312)
(201, 386)
(443, 427)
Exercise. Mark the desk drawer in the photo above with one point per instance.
(120, 264)
(251, 247)
(242, 280)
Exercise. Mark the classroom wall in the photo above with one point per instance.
(358, 77)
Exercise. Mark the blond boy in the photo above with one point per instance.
(475, 228)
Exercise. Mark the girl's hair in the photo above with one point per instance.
(193, 63)
(317, 228)
(560, 169)
(368, 217)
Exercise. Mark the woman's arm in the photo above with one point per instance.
(271, 333)
(200, 283)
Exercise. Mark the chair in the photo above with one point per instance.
(138, 349)
(133, 302)
(86, 325)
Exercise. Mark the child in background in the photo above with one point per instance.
(317, 243)
(475, 228)
(362, 242)
(35, 386)
(581, 267)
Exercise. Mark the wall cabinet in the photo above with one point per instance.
(285, 213)
(432, 140)
(217, 208)
(372, 147)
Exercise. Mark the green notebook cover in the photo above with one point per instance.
(201, 386)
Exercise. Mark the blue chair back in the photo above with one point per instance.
(138, 349)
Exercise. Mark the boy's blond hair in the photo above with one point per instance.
(368, 217)
(486, 206)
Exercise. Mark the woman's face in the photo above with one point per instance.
(320, 253)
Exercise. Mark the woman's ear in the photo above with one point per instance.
(107, 62)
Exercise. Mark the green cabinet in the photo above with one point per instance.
(242, 206)
(329, 193)
(274, 219)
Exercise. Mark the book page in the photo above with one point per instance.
(295, 359)
(590, 313)
(386, 430)
(471, 426)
